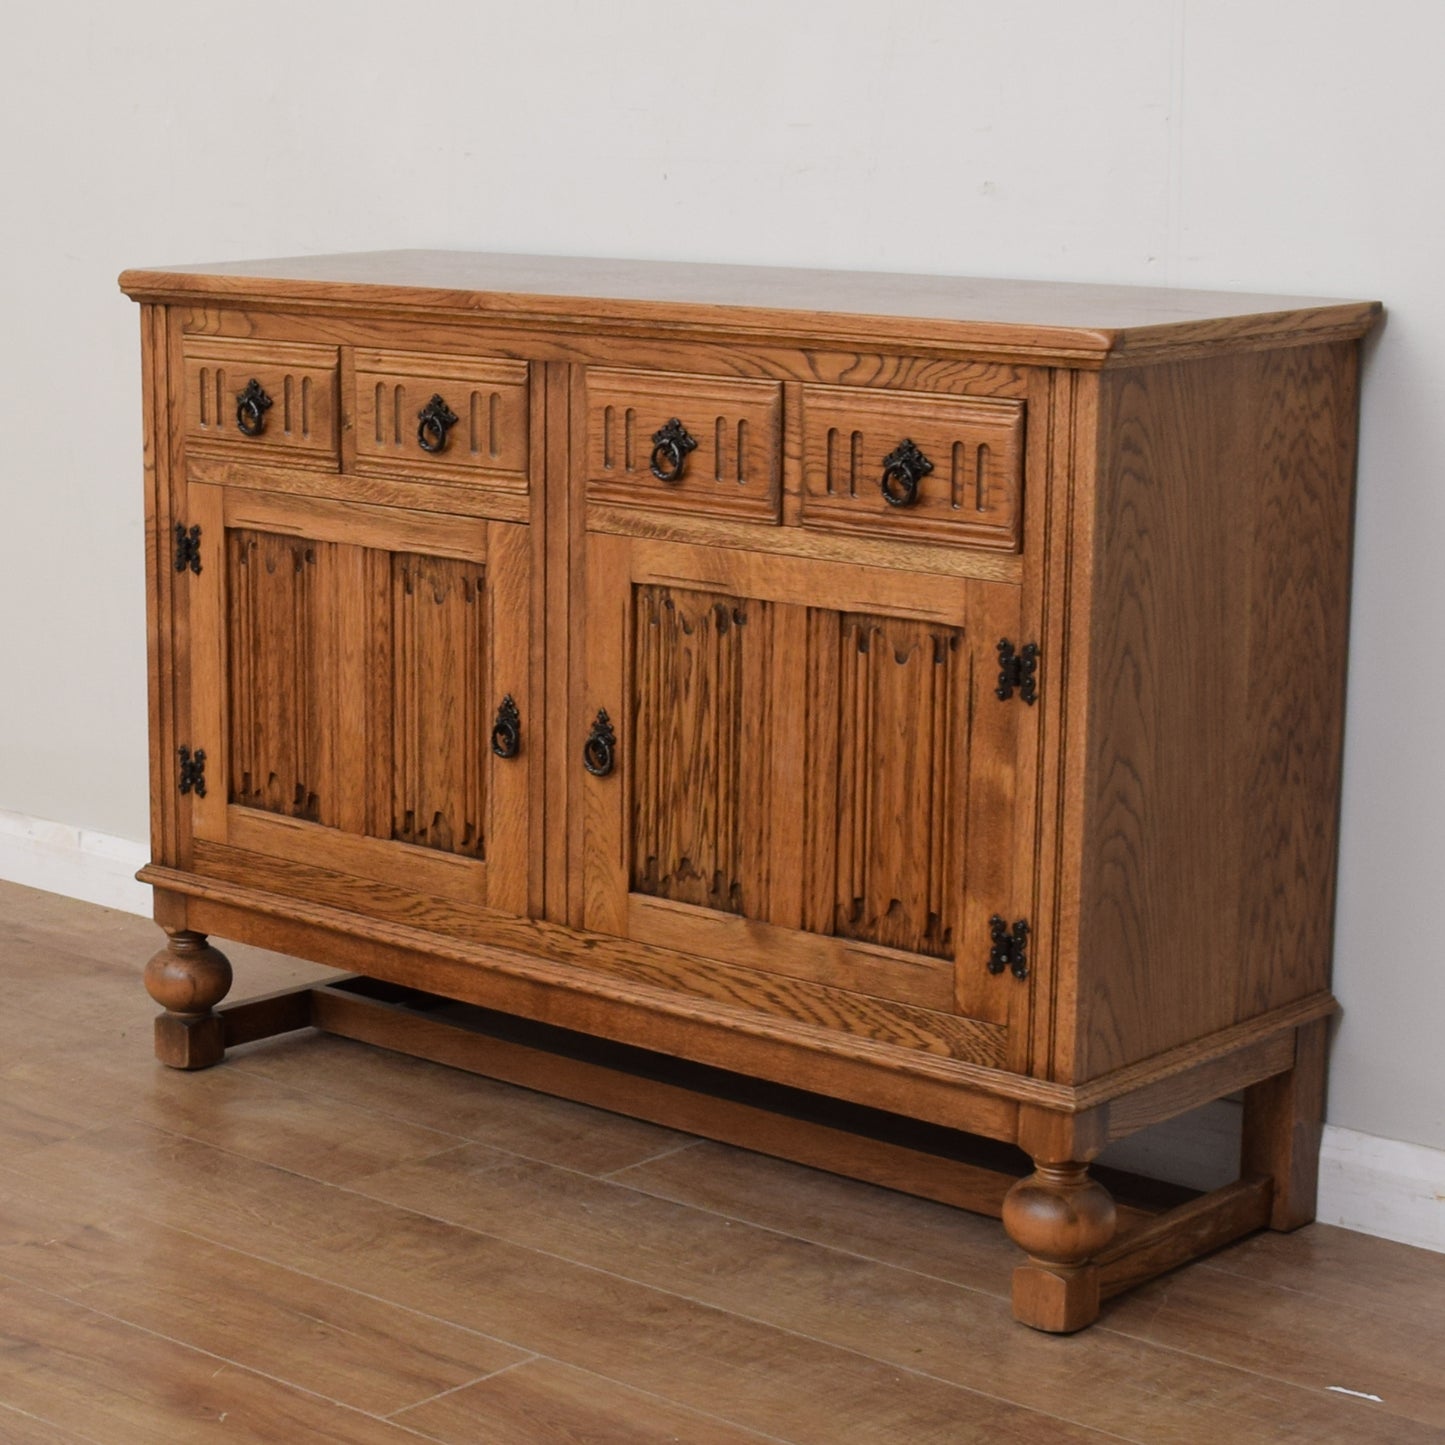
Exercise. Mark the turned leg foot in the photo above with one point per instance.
(188, 978)
(1060, 1218)
(1283, 1120)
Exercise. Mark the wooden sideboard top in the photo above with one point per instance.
(1046, 321)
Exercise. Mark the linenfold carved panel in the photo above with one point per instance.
(884, 783)
(439, 729)
(902, 709)
(280, 636)
(699, 695)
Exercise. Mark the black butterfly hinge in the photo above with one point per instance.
(1017, 671)
(188, 548)
(193, 771)
(1010, 947)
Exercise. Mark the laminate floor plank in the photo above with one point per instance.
(318, 1234)
(845, 1214)
(1280, 1332)
(487, 1111)
(1339, 1269)
(953, 1333)
(100, 1379)
(352, 1348)
(18, 1428)
(244, 1113)
(706, 1359)
(27, 1123)
(547, 1401)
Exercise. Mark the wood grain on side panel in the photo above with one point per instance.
(1216, 678)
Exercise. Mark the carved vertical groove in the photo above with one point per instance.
(699, 798)
(275, 600)
(896, 810)
(439, 730)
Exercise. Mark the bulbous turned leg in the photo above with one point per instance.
(1060, 1218)
(188, 978)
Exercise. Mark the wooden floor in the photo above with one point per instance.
(318, 1241)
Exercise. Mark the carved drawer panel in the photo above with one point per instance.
(274, 402)
(442, 418)
(705, 444)
(915, 465)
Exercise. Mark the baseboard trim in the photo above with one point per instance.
(77, 862)
(1369, 1184)
(1383, 1187)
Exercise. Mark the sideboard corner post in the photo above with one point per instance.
(1283, 1122)
(188, 978)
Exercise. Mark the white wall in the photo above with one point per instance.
(1289, 145)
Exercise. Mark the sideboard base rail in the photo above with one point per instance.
(1158, 1226)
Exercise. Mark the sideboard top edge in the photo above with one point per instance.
(1065, 321)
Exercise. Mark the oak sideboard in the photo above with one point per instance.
(892, 722)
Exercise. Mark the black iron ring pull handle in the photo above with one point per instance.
(670, 446)
(903, 469)
(251, 408)
(436, 420)
(507, 730)
(599, 752)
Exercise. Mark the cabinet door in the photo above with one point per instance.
(350, 666)
(812, 775)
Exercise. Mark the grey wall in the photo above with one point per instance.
(1293, 146)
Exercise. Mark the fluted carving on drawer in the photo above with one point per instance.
(269, 403)
(970, 491)
(277, 605)
(699, 756)
(902, 690)
(729, 464)
(485, 443)
(440, 725)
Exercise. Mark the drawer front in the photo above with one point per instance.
(275, 402)
(967, 488)
(442, 418)
(725, 460)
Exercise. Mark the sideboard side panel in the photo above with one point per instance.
(1216, 675)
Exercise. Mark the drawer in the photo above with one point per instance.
(273, 401)
(964, 483)
(442, 418)
(722, 458)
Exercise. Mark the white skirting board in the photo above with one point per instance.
(1383, 1187)
(80, 863)
(1373, 1185)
